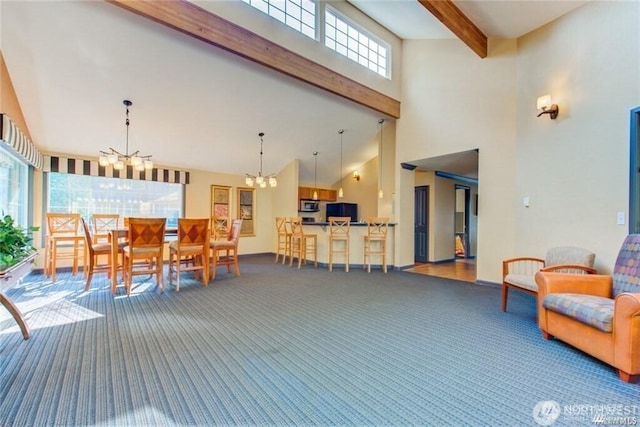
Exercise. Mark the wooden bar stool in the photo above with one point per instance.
(375, 242)
(145, 242)
(224, 251)
(283, 238)
(339, 233)
(302, 244)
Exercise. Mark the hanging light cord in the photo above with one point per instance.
(341, 131)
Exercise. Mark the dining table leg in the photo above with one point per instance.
(113, 239)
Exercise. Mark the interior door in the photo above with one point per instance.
(421, 231)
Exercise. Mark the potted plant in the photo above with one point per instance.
(15, 245)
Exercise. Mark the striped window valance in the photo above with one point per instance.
(19, 142)
(92, 168)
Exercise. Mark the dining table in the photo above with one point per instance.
(115, 235)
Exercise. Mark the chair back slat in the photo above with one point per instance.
(193, 231)
(339, 227)
(219, 227)
(146, 232)
(377, 227)
(63, 223)
(102, 223)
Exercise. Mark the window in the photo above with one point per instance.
(297, 14)
(14, 187)
(87, 195)
(349, 40)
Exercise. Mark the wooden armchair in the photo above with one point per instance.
(519, 273)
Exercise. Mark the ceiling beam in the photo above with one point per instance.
(194, 21)
(456, 21)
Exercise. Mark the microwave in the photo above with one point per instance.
(309, 206)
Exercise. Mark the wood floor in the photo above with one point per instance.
(461, 269)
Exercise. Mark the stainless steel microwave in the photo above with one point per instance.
(309, 206)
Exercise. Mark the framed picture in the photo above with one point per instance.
(220, 201)
(247, 210)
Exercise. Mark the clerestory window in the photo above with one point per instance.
(297, 14)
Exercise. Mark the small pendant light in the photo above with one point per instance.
(340, 192)
(380, 192)
(315, 174)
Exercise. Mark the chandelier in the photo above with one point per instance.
(260, 180)
(118, 160)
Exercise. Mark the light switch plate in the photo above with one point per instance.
(620, 218)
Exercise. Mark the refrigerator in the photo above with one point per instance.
(343, 209)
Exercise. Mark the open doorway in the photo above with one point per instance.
(462, 214)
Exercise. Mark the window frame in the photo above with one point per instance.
(268, 5)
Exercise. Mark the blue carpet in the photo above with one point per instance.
(281, 346)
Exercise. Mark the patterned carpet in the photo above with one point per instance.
(281, 346)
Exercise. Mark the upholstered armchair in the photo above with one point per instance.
(597, 314)
(519, 273)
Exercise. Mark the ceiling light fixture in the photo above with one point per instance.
(118, 160)
(380, 192)
(261, 181)
(340, 192)
(315, 177)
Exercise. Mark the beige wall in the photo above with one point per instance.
(573, 169)
(454, 101)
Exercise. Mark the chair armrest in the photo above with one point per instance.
(584, 268)
(525, 265)
(588, 284)
(626, 331)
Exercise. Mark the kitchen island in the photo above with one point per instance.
(356, 246)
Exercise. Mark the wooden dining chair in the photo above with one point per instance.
(102, 223)
(339, 228)
(145, 239)
(375, 242)
(95, 249)
(219, 227)
(190, 252)
(225, 251)
(63, 241)
(302, 243)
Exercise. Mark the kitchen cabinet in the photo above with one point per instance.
(324, 194)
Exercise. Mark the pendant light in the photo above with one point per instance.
(380, 192)
(340, 192)
(259, 179)
(315, 176)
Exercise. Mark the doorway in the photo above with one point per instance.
(461, 231)
(421, 224)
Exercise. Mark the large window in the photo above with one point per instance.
(297, 14)
(87, 195)
(355, 43)
(14, 187)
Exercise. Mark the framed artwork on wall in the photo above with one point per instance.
(247, 210)
(220, 201)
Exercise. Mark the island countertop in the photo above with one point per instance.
(356, 245)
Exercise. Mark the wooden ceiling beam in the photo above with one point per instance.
(456, 21)
(194, 21)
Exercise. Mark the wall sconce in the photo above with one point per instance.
(544, 104)
(356, 175)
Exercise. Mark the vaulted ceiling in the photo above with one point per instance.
(195, 106)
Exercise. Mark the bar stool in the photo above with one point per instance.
(283, 238)
(190, 252)
(339, 233)
(375, 242)
(302, 244)
(220, 227)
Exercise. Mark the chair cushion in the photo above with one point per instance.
(626, 273)
(588, 309)
(151, 251)
(102, 247)
(522, 281)
(185, 247)
(569, 255)
(222, 244)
